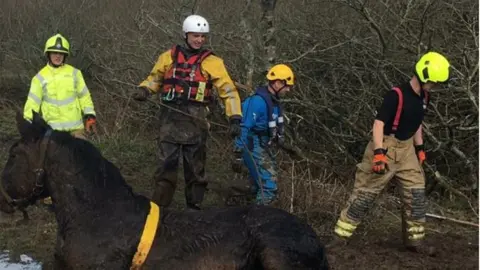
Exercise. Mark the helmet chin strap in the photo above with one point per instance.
(277, 91)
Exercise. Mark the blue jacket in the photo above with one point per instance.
(262, 116)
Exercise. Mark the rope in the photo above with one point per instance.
(187, 114)
(258, 180)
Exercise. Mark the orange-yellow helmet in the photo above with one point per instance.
(281, 72)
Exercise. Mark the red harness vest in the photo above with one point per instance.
(396, 120)
(184, 80)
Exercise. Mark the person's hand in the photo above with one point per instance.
(234, 128)
(380, 162)
(420, 151)
(141, 94)
(90, 124)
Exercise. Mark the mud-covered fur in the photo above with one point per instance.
(100, 219)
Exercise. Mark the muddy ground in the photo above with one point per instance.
(377, 245)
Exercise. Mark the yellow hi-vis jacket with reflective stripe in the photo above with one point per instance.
(62, 96)
(212, 66)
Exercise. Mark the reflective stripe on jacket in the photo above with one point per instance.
(62, 97)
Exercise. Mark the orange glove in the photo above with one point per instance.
(91, 124)
(420, 151)
(380, 162)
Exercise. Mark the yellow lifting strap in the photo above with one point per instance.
(147, 238)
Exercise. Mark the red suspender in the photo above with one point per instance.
(425, 100)
(396, 120)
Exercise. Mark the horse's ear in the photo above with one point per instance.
(39, 123)
(35, 129)
(23, 126)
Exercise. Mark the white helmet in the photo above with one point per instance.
(195, 23)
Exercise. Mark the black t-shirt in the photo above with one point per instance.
(412, 112)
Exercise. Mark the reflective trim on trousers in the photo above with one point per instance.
(415, 232)
(344, 229)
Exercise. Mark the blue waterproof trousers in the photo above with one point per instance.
(262, 166)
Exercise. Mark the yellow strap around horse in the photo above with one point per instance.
(147, 238)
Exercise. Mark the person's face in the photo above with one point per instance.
(430, 85)
(56, 58)
(281, 87)
(196, 40)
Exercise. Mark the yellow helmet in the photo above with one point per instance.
(57, 43)
(281, 72)
(433, 67)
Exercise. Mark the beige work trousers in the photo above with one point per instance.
(79, 133)
(405, 168)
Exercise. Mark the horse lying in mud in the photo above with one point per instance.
(102, 223)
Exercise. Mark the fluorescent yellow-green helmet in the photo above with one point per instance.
(281, 72)
(433, 67)
(57, 43)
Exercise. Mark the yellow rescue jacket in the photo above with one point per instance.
(213, 67)
(62, 96)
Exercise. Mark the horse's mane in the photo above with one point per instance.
(89, 162)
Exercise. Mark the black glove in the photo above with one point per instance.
(235, 128)
(86, 117)
(141, 94)
(237, 161)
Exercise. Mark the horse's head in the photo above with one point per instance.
(44, 162)
(23, 178)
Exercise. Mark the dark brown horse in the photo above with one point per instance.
(100, 220)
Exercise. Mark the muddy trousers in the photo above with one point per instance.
(405, 168)
(194, 157)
